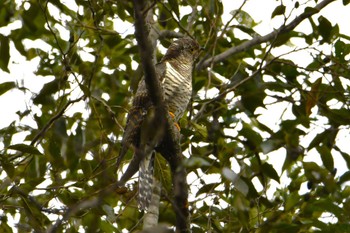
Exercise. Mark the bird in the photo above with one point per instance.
(174, 72)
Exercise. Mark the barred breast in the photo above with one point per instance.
(177, 86)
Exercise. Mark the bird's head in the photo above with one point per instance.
(183, 48)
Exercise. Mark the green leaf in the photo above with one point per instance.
(8, 167)
(86, 167)
(200, 129)
(270, 145)
(44, 97)
(318, 139)
(311, 10)
(175, 7)
(292, 200)
(207, 188)
(4, 52)
(196, 162)
(312, 97)
(279, 10)
(345, 156)
(109, 212)
(4, 227)
(344, 178)
(252, 93)
(238, 183)
(268, 170)
(326, 157)
(254, 139)
(341, 50)
(325, 28)
(25, 149)
(4, 87)
(327, 205)
(338, 116)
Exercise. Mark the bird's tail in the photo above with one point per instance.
(146, 176)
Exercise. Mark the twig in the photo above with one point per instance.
(261, 39)
(53, 119)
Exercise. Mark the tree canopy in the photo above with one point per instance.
(264, 136)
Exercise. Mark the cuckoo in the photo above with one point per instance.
(175, 75)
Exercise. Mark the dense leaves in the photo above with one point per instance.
(264, 133)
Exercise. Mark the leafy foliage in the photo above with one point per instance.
(264, 132)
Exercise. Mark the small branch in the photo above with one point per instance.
(53, 119)
(262, 39)
(175, 20)
(82, 205)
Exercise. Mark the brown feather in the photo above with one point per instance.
(175, 74)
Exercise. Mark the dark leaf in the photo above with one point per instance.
(341, 50)
(175, 7)
(326, 157)
(279, 10)
(344, 178)
(318, 139)
(268, 170)
(4, 52)
(312, 97)
(311, 10)
(8, 167)
(208, 188)
(254, 139)
(86, 167)
(44, 97)
(325, 28)
(6, 86)
(25, 149)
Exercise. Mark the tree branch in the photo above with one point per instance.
(170, 146)
(261, 39)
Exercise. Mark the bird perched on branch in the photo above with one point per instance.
(175, 75)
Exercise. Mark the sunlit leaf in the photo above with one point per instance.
(292, 200)
(200, 129)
